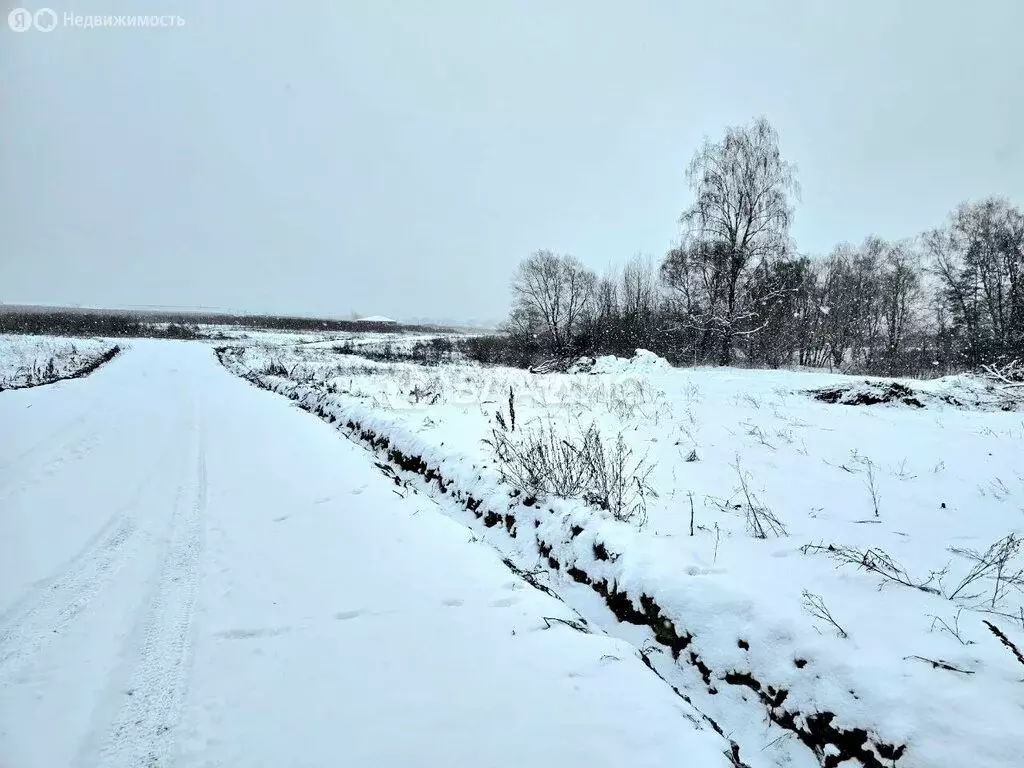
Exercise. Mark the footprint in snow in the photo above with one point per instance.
(504, 602)
(346, 615)
(452, 602)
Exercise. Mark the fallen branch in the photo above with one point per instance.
(940, 664)
(530, 577)
(1008, 376)
(579, 626)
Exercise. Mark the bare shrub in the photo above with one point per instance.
(876, 561)
(995, 565)
(785, 435)
(997, 489)
(690, 427)
(815, 605)
(761, 521)
(539, 461)
(902, 473)
(870, 480)
(757, 433)
(951, 628)
(274, 368)
(545, 460)
(617, 481)
(632, 398)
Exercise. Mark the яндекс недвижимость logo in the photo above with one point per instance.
(46, 20)
(22, 20)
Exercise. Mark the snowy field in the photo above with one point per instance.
(399, 342)
(27, 361)
(827, 581)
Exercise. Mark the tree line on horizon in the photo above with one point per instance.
(734, 291)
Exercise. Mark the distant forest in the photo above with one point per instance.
(734, 291)
(175, 325)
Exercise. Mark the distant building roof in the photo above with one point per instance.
(376, 319)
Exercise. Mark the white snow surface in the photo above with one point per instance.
(192, 572)
(944, 477)
(27, 361)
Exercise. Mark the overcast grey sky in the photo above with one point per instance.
(401, 157)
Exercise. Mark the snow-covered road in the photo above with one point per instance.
(194, 572)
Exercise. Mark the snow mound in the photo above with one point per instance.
(869, 393)
(975, 393)
(643, 361)
(964, 391)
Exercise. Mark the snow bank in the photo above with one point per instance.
(29, 361)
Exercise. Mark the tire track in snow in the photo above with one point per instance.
(45, 613)
(142, 733)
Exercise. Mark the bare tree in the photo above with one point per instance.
(979, 261)
(639, 288)
(679, 274)
(901, 288)
(742, 187)
(552, 292)
(695, 273)
(606, 298)
(578, 283)
(838, 326)
(537, 293)
(524, 320)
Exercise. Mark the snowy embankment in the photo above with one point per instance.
(29, 361)
(827, 583)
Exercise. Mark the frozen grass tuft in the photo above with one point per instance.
(546, 459)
